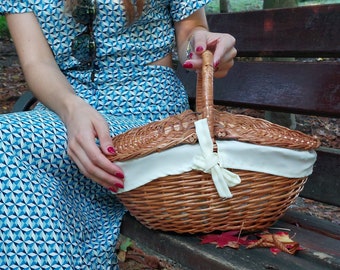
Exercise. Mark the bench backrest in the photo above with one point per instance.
(278, 66)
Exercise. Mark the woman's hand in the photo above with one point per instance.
(84, 126)
(222, 46)
(192, 34)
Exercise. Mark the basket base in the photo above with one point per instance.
(189, 203)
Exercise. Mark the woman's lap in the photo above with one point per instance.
(51, 216)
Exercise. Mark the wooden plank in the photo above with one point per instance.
(324, 185)
(312, 223)
(311, 31)
(320, 251)
(305, 88)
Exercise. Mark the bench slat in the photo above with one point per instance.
(323, 185)
(308, 31)
(305, 88)
(320, 251)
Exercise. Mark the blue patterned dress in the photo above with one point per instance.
(51, 216)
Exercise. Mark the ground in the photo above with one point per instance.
(12, 85)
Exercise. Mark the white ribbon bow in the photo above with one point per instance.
(208, 162)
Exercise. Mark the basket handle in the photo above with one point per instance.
(205, 90)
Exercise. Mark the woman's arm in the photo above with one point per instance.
(194, 31)
(38, 64)
(84, 124)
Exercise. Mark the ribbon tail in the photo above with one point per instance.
(223, 179)
(208, 162)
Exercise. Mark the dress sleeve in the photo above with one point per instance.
(181, 9)
(15, 6)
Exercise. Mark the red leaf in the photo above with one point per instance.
(276, 242)
(275, 250)
(210, 239)
(230, 239)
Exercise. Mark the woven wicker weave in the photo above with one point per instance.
(189, 203)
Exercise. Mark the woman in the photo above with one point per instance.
(99, 68)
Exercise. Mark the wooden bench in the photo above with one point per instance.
(260, 81)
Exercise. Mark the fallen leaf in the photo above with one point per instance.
(124, 245)
(276, 242)
(123, 248)
(274, 250)
(127, 250)
(230, 239)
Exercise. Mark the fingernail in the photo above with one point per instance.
(188, 65)
(111, 150)
(216, 64)
(190, 55)
(199, 49)
(113, 189)
(119, 175)
(119, 185)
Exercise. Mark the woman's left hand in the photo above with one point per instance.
(222, 46)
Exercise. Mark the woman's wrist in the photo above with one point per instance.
(67, 105)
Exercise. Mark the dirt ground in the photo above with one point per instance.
(12, 85)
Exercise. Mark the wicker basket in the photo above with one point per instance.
(189, 202)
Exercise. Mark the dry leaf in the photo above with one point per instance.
(276, 242)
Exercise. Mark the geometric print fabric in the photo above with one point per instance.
(51, 216)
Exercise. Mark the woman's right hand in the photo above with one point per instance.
(85, 126)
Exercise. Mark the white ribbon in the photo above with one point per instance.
(209, 162)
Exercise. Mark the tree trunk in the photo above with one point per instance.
(224, 6)
(279, 3)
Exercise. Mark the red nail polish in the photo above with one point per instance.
(188, 65)
(113, 189)
(119, 175)
(111, 150)
(199, 49)
(119, 185)
(190, 55)
(216, 64)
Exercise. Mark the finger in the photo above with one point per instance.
(223, 48)
(105, 139)
(94, 165)
(193, 64)
(222, 70)
(101, 163)
(192, 61)
(198, 42)
(98, 175)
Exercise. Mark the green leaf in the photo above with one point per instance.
(125, 244)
